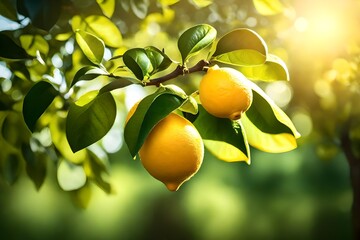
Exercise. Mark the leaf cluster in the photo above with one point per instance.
(55, 56)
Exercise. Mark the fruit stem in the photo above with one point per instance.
(179, 70)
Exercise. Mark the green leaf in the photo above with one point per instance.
(159, 60)
(267, 116)
(107, 7)
(7, 9)
(81, 197)
(144, 62)
(95, 169)
(190, 106)
(43, 14)
(140, 7)
(34, 43)
(36, 101)
(92, 46)
(89, 119)
(58, 136)
(262, 114)
(268, 128)
(87, 73)
(117, 83)
(149, 112)
(272, 143)
(268, 7)
(125, 4)
(70, 176)
(35, 165)
(273, 69)
(10, 50)
(223, 138)
(138, 62)
(12, 126)
(11, 166)
(195, 39)
(101, 27)
(168, 2)
(241, 47)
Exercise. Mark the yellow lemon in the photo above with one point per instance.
(225, 92)
(173, 151)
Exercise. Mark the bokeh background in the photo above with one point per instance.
(302, 194)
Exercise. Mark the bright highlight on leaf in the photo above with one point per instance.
(92, 46)
(58, 137)
(274, 69)
(268, 7)
(241, 47)
(268, 128)
(100, 26)
(34, 43)
(202, 3)
(107, 7)
(226, 152)
(272, 143)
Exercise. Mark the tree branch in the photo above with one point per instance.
(354, 167)
(179, 70)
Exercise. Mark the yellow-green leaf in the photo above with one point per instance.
(226, 152)
(92, 46)
(273, 143)
(273, 69)
(101, 27)
(268, 7)
(33, 43)
(267, 116)
(240, 47)
(267, 127)
(82, 196)
(201, 3)
(107, 7)
(58, 136)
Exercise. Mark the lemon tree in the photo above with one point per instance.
(69, 72)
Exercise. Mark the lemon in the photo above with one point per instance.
(225, 92)
(173, 151)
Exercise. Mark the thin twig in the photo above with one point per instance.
(179, 70)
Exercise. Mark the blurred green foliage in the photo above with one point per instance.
(303, 194)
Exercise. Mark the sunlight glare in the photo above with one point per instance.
(323, 29)
(301, 24)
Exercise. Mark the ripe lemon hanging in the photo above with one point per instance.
(173, 151)
(225, 92)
